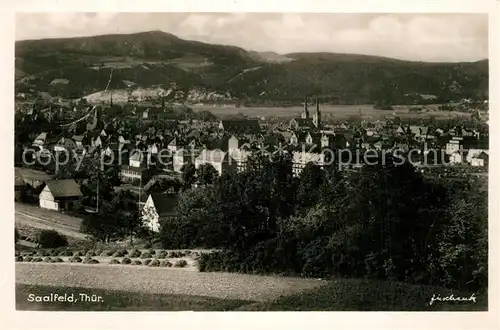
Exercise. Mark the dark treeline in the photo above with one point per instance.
(382, 222)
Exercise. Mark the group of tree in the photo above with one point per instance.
(384, 221)
(206, 174)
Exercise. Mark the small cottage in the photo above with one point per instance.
(60, 194)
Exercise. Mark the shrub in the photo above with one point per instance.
(57, 259)
(146, 255)
(166, 263)
(92, 261)
(120, 253)
(55, 253)
(146, 262)
(187, 253)
(152, 251)
(147, 245)
(90, 253)
(19, 258)
(98, 252)
(172, 254)
(154, 263)
(180, 254)
(162, 254)
(47, 259)
(37, 259)
(51, 239)
(126, 261)
(75, 259)
(135, 254)
(136, 262)
(114, 262)
(28, 259)
(106, 253)
(181, 263)
(46, 253)
(78, 254)
(66, 253)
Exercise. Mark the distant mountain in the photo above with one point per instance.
(158, 59)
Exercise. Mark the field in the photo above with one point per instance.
(28, 216)
(330, 111)
(338, 295)
(147, 280)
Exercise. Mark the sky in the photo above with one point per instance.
(417, 37)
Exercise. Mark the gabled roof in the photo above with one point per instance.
(64, 188)
(214, 156)
(304, 122)
(165, 203)
(137, 156)
(250, 125)
(41, 136)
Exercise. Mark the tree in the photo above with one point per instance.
(311, 179)
(207, 174)
(51, 239)
(116, 218)
(188, 175)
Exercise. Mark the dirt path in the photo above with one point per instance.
(161, 280)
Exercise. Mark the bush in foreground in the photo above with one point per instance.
(47, 259)
(135, 254)
(106, 253)
(166, 263)
(91, 261)
(57, 259)
(37, 259)
(75, 260)
(51, 239)
(66, 253)
(19, 258)
(154, 263)
(126, 261)
(114, 262)
(136, 262)
(162, 254)
(120, 253)
(180, 263)
(28, 259)
(146, 255)
(146, 262)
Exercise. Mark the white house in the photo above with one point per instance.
(301, 159)
(474, 153)
(40, 139)
(453, 145)
(158, 208)
(60, 194)
(136, 159)
(220, 160)
(181, 158)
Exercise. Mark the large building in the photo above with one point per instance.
(306, 122)
(220, 160)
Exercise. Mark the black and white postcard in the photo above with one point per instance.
(315, 160)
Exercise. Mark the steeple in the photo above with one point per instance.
(305, 113)
(317, 115)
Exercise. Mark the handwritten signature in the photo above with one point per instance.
(452, 297)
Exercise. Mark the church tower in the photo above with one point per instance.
(317, 115)
(305, 113)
